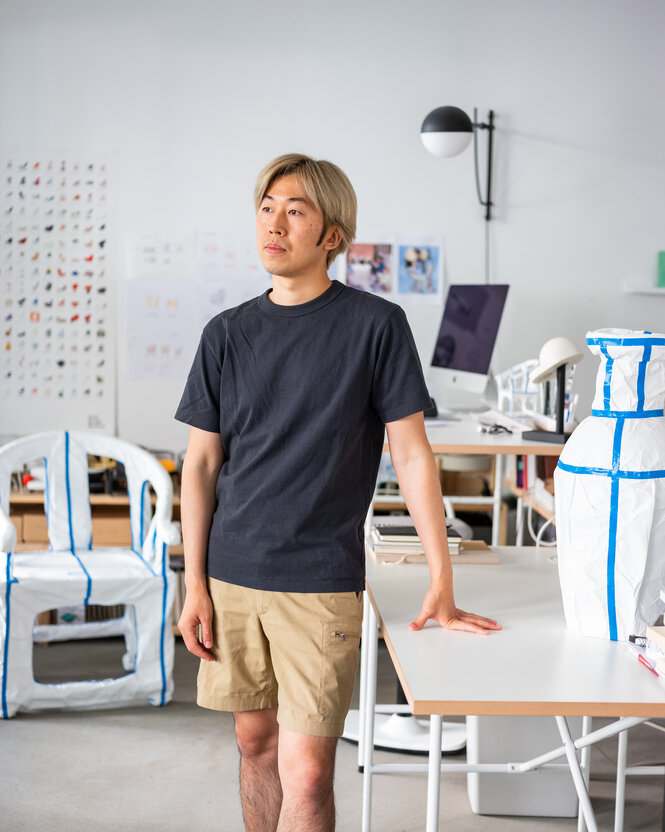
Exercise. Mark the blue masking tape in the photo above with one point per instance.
(641, 376)
(71, 527)
(611, 559)
(614, 518)
(47, 502)
(163, 627)
(144, 485)
(616, 448)
(607, 472)
(626, 342)
(607, 384)
(5, 653)
(627, 414)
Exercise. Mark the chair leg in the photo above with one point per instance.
(129, 634)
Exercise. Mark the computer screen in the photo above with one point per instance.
(466, 338)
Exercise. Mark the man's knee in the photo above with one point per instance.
(310, 780)
(257, 733)
(307, 768)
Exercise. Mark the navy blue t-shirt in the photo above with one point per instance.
(299, 395)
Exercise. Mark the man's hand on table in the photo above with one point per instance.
(441, 609)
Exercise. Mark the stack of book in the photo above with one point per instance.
(655, 649)
(650, 649)
(391, 543)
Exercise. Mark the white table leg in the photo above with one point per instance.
(519, 523)
(585, 762)
(576, 772)
(369, 520)
(370, 701)
(496, 509)
(620, 799)
(363, 681)
(434, 773)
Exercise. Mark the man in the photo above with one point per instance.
(288, 397)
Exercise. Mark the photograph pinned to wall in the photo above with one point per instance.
(58, 359)
(228, 271)
(369, 266)
(420, 270)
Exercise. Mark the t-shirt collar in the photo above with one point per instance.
(300, 308)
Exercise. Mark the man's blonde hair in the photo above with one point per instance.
(327, 187)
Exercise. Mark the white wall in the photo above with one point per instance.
(194, 97)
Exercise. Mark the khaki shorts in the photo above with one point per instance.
(294, 651)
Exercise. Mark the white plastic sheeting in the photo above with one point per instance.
(72, 572)
(610, 492)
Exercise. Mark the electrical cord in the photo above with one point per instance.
(537, 538)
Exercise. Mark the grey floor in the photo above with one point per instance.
(174, 769)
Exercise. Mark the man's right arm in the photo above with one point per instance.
(200, 469)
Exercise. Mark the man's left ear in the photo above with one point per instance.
(332, 239)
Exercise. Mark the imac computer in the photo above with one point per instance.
(458, 375)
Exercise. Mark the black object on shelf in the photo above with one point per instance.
(558, 436)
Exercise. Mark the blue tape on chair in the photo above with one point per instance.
(143, 529)
(71, 527)
(145, 563)
(47, 501)
(5, 653)
(163, 627)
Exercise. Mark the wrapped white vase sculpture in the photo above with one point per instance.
(610, 492)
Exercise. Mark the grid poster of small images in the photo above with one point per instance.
(57, 365)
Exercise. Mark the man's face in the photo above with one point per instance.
(288, 228)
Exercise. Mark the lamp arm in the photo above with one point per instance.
(490, 128)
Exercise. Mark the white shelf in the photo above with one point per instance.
(628, 289)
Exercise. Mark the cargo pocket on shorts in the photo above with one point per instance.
(339, 662)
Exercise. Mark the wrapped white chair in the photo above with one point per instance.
(73, 572)
(516, 394)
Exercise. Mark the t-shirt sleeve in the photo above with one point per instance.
(398, 385)
(199, 405)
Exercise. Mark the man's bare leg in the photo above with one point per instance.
(306, 771)
(257, 734)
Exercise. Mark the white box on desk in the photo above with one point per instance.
(517, 739)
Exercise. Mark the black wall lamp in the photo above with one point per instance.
(447, 131)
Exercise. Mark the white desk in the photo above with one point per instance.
(534, 666)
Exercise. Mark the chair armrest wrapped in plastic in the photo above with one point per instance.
(7, 532)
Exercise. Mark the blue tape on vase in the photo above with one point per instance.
(641, 376)
(607, 384)
(626, 342)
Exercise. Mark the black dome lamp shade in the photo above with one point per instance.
(448, 131)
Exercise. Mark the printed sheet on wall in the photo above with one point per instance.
(58, 351)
